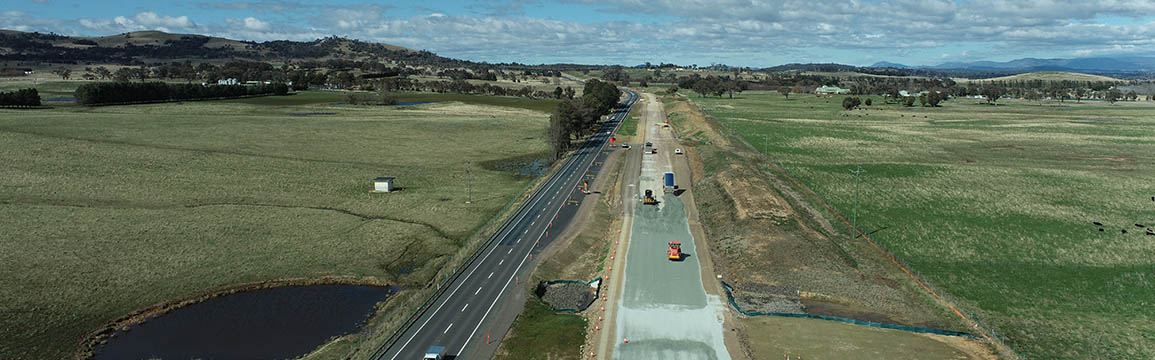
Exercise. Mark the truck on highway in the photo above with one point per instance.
(669, 182)
(435, 353)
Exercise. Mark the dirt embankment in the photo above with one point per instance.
(777, 250)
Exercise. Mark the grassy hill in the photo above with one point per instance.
(156, 46)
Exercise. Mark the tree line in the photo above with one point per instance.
(20, 98)
(128, 92)
(575, 118)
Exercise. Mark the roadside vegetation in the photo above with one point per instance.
(113, 209)
(541, 333)
(998, 206)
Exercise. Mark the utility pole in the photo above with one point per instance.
(854, 223)
(469, 172)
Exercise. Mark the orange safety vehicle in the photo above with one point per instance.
(675, 251)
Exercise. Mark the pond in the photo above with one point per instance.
(274, 323)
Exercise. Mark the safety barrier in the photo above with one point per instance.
(917, 329)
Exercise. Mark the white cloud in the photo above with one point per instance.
(151, 19)
(253, 23)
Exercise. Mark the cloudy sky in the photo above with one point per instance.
(735, 32)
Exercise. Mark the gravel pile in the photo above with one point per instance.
(568, 296)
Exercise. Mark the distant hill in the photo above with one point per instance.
(1054, 76)
(146, 47)
(887, 64)
(1093, 65)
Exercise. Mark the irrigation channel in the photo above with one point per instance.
(274, 323)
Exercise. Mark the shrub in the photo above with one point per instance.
(22, 97)
(868, 102)
(849, 103)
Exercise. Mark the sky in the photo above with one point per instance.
(630, 32)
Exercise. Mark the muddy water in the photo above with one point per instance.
(276, 323)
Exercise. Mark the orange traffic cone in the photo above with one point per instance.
(625, 340)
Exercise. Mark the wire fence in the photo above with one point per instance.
(985, 330)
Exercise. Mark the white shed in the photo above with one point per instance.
(383, 184)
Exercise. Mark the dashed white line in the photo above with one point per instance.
(501, 262)
(463, 307)
(478, 291)
(509, 252)
(490, 275)
(447, 328)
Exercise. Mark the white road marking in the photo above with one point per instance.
(478, 290)
(463, 308)
(490, 275)
(501, 262)
(447, 328)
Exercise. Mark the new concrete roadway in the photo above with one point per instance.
(475, 310)
(663, 309)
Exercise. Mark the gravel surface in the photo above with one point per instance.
(569, 296)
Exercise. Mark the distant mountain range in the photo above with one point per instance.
(1097, 65)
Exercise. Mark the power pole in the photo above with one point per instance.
(469, 172)
(854, 223)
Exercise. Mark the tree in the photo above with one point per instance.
(849, 103)
(993, 93)
(868, 102)
(560, 128)
(933, 98)
(1113, 95)
(1132, 96)
(908, 101)
(784, 91)
(102, 73)
(1080, 92)
(922, 99)
(63, 72)
(557, 92)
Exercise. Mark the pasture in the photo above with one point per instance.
(112, 209)
(996, 205)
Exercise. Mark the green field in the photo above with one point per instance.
(108, 210)
(541, 333)
(993, 204)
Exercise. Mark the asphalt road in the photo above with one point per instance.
(467, 312)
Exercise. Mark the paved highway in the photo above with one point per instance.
(466, 312)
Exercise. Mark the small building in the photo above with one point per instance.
(383, 184)
(231, 81)
(831, 90)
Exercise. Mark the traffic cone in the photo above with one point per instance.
(516, 280)
(625, 340)
(597, 328)
(603, 308)
(487, 339)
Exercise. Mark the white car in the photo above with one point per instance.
(678, 151)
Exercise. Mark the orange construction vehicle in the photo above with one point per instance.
(675, 251)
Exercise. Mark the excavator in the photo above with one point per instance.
(675, 251)
(649, 199)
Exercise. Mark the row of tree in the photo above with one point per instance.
(575, 118)
(105, 93)
(22, 97)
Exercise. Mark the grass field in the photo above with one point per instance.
(541, 333)
(994, 204)
(782, 337)
(108, 210)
